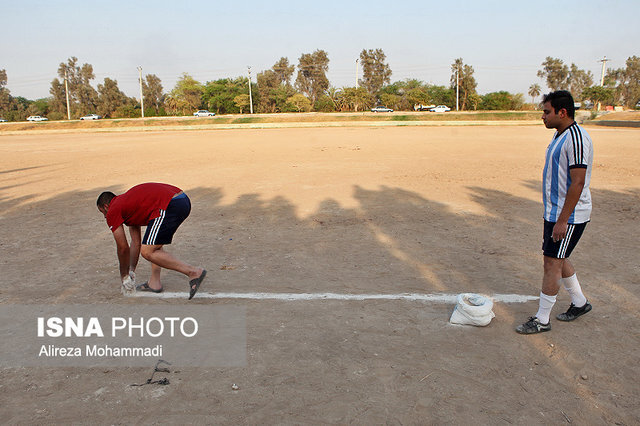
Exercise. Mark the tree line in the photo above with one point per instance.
(276, 90)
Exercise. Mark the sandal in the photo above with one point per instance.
(145, 287)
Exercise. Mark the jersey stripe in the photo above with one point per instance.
(572, 148)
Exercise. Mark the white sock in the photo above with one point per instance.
(572, 286)
(544, 309)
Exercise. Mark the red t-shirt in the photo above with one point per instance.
(139, 205)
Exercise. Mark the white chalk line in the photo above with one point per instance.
(412, 297)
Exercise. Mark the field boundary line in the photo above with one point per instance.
(289, 297)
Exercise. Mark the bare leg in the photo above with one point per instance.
(156, 255)
(567, 269)
(553, 272)
(154, 280)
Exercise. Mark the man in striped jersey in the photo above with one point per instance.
(567, 209)
(161, 208)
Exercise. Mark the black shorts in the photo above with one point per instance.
(161, 229)
(561, 249)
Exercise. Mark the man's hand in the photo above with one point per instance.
(559, 231)
(128, 286)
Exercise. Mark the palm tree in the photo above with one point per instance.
(534, 91)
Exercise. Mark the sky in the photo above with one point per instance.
(504, 41)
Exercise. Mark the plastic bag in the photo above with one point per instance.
(472, 309)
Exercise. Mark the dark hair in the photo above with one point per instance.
(561, 99)
(105, 198)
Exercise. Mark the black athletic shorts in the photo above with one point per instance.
(161, 229)
(561, 249)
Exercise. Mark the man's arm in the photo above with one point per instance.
(578, 176)
(134, 250)
(123, 251)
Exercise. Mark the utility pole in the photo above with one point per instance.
(141, 97)
(604, 62)
(250, 98)
(66, 90)
(457, 88)
(356, 103)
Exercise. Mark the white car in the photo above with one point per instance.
(204, 113)
(2, 120)
(440, 108)
(91, 117)
(36, 118)
(381, 108)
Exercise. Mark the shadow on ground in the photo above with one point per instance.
(335, 361)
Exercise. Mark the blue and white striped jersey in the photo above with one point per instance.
(573, 148)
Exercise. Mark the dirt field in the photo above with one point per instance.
(342, 210)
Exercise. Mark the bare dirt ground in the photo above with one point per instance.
(621, 116)
(343, 210)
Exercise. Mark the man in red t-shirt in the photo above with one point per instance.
(161, 208)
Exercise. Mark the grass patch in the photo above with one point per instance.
(245, 120)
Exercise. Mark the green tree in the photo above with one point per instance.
(110, 98)
(152, 92)
(534, 92)
(375, 71)
(17, 109)
(502, 100)
(299, 103)
(441, 95)
(351, 98)
(391, 100)
(58, 100)
(241, 101)
(325, 104)
(405, 95)
(333, 94)
(267, 84)
(312, 78)
(555, 72)
(465, 80)
(219, 95)
(599, 94)
(474, 101)
(5, 95)
(186, 96)
(274, 86)
(283, 71)
(416, 94)
(627, 81)
(578, 80)
(82, 96)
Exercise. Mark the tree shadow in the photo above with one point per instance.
(394, 241)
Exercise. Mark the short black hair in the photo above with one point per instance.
(561, 99)
(105, 198)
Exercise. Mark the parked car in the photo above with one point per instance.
(421, 107)
(36, 118)
(91, 117)
(440, 108)
(381, 108)
(204, 113)
(2, 120)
